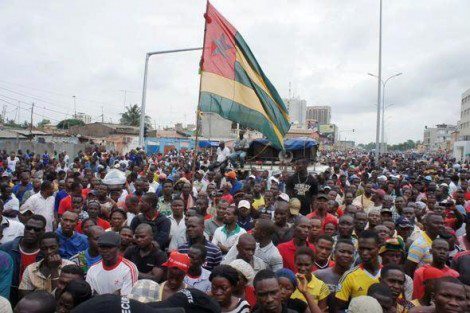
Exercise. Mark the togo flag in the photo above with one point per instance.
(233, 84)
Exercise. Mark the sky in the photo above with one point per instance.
(51, 51)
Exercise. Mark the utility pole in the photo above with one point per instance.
(379, 89)
(31, 125)
(19, 111)
(74, 108)
(102, 115)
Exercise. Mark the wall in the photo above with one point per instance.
(14, 145)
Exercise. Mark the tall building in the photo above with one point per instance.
(321, 114)
(462, 144)
(85, 118)
(297, 109)
(439, 137)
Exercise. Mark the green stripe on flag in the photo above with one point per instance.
(239, 113)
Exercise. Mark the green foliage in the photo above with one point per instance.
(132, 117)
(404, 146)
(44, 122)
(67, 123)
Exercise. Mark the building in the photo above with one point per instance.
(439, 137)
(100, 130)
(85, 118)
(297, 109)
(321, 114)
(214, 126)
(461, 147)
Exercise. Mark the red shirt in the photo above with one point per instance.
(329, 218)
(250, 296)
(101, 222)
(27, 259)
(65, 205)
(287, 251)
(418, 283)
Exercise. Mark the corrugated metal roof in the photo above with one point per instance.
(7, 134)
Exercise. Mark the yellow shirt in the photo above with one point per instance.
(317, 288)
(355, 283)
(258, 202)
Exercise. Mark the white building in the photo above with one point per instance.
(213, 126)
(439, 137)
(85, 118)
(321, 114)
(462, 145)
(297, 109)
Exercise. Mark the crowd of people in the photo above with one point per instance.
(107, 232)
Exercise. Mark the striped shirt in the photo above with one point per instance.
(214, 255)
(419, 251)
(242, 307)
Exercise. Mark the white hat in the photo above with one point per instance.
(244, 268)
(284, 197)
(364, 304)
(244, 204)
(252, 176)
(274, 179)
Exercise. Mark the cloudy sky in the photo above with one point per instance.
(53, 50)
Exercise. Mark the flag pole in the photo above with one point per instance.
(198, 112)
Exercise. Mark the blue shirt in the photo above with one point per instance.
(19, 194)
(236, 187)
(91, 260)
(6, 274)
(59, 196)
(69, 246)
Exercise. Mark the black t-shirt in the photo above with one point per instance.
(296, 305)
(145, 264)
(302, 188)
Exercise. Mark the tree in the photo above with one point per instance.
(67, 123)
(44, 122)
(132, 117)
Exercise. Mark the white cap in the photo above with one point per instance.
(284, 197)
(274, 179)
(244, 204)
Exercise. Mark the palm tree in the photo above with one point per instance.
(132, 117)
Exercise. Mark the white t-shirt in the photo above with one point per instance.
(12, 163)
(227, 239)
(105, 280)
(222, 155)
(11, 230)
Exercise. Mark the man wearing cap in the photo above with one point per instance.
(440, 254)
(393, 252)
(178, 266)
(231, 177)
(244, 218)
(404, 228)
(10, 228)
(113, 274)
(227, 235)
(319, 209)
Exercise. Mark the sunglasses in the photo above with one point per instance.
(35, 229)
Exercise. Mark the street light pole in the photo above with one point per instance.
(384, 84)
(144, 87)
(379, 79)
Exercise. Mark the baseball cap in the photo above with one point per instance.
(109, 238)
(178, 260)
(403, 222)
(322, 196)
(231, 175)
(145, 291)
(393, 244)
(294, 206)
(274, 179)
(190, 300)
(388, 210)
(244, 204)
(244, 268)
(277, 172)
(284, 197)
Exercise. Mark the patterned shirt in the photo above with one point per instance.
(419, 251)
